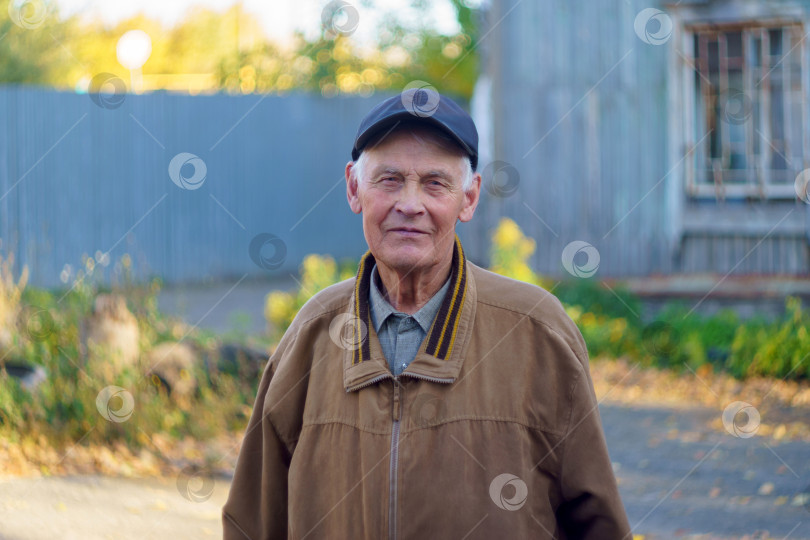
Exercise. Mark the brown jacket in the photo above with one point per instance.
(492, 431)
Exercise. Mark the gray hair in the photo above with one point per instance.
(358, 169)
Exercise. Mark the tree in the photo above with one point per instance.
(231, 50)
(30, 45)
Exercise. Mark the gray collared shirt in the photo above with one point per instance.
(401, 334)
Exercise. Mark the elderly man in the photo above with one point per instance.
(426, 397)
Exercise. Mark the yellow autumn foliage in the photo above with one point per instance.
(317, 272)
(10, 295)
(511, 251)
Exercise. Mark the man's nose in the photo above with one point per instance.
(410, 198)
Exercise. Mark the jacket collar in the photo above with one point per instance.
(440, 356)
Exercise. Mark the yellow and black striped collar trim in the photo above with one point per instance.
(442, 334)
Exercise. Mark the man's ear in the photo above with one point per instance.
(470, 200)
(352, 193)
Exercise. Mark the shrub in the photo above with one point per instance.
(594, 297)
(317, 273)
(10, 294)
(677, 337)
(778, 349)
(605, 336)
(510, 254)
(63, 407)
(611, 324)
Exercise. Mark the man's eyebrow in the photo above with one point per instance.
(394, 171)
(438, 174)
(386, 169)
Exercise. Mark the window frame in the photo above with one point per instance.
(728, 213)
(693, 19)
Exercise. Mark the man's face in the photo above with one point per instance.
(410, 197)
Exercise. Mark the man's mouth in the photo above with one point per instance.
(408, 231)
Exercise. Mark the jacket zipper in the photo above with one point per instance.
(396, 414)
(368, 383)
(392, 481)
(447, 380)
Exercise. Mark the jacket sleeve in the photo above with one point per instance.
(591, 507)
(257, 503)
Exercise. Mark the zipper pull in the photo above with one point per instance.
(397, 412)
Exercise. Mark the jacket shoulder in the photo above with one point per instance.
(519, 296)
(526, 300)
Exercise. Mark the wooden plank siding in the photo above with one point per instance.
(592, 117)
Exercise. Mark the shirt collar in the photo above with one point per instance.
(381, 309)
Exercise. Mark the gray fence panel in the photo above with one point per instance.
(79, 179)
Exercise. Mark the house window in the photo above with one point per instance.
(746, 111)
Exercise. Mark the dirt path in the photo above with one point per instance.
(680, 477)
(90, 507)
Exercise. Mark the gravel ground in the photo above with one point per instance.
(679, 476)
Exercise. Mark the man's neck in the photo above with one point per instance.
(409, 291)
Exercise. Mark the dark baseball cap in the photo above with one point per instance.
(421, 105)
